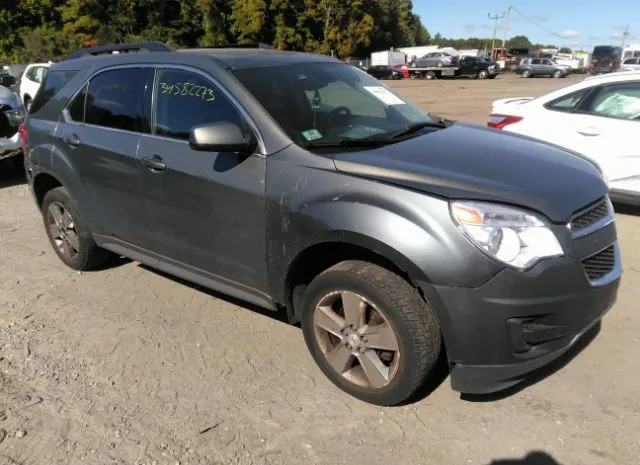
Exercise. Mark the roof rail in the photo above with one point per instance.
(255, 45)
(120, 48)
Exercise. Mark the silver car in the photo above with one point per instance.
(12, 113)
(437, 59)
(630, 64)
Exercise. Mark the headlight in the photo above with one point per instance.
(15, 117)
(512, 236)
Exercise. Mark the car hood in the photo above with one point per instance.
(467, 161)
(8, 97)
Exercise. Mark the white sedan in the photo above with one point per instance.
(598, 117)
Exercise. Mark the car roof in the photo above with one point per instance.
(617, 76)
(233, 58)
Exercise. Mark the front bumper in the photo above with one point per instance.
(9, 145)
(518, 322)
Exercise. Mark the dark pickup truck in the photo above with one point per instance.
(468, 66)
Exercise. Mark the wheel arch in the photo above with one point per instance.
(312, 260)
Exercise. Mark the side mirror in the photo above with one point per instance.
(221, 137)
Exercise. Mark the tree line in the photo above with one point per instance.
(41, 30)
(35, 30)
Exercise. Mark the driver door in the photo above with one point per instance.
(206, 210)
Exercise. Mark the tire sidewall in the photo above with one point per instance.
(400, 388)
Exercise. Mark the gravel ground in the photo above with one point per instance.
(129, 366)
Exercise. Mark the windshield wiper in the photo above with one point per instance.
(410, 129)
(346, 142)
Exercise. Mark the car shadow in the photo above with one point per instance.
(279, 315)
(541, 373)
(10, 174)
(533, 458)
(625, 209)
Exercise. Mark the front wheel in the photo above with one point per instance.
(483, 74)
(370, 332)
(557, 74)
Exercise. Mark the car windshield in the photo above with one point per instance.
(320, 104)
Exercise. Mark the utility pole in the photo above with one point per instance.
(495, 31)
(625, 34)
(506, 28)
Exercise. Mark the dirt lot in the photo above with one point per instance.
(128, 366)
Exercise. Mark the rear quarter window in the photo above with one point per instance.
(54, 81)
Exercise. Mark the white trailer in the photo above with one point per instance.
(388, 58)
(631, 51)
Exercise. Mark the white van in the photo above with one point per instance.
(31, 80)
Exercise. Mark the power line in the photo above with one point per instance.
(536, 23)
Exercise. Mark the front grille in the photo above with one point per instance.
(590, 216)
(601, 264)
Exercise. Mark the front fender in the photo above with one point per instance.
(311, 205)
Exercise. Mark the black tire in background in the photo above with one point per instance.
(87, 254)
(413, 321)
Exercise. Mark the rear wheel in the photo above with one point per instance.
(430, 75)
(370, 332)
(68, 234)
(525, 74)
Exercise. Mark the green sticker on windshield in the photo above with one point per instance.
(311, 134)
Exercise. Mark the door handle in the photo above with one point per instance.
(589, 131)
(72, 139)
(154, 163)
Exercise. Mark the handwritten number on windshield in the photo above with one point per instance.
(188, 89)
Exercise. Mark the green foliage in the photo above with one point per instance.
(565, 50)
(519, 42)
(42, 30)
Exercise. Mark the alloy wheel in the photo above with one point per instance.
(356, 339)
(63, 231)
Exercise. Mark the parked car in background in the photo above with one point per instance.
(404, 70)
(12, 114)
(630, 64)
(598, 117)
(385, 72)
(31, 81)
(6, 78)
(434, 59)
(533, 67)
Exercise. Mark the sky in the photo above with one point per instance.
(579, 24)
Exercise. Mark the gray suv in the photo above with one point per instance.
(302, 184)
(532, 67)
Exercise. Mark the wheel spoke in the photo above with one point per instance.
(376, 372)
(67, 221)
(54, 231)
(65, 248)
(354, 308)
(56, 214)
(72, 239)
(328, 320)
(381, 337)
(340, 359)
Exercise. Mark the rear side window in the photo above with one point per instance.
(53, 82)
(116, 99)
(77, 106)
(568, 102)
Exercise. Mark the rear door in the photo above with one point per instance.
(100, 134)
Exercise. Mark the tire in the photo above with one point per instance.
(483, 74)
(440, 64)
(526, 74)
(557, 74)
(430, 75)
(405, 316)
(76, 233)
(27, 104)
